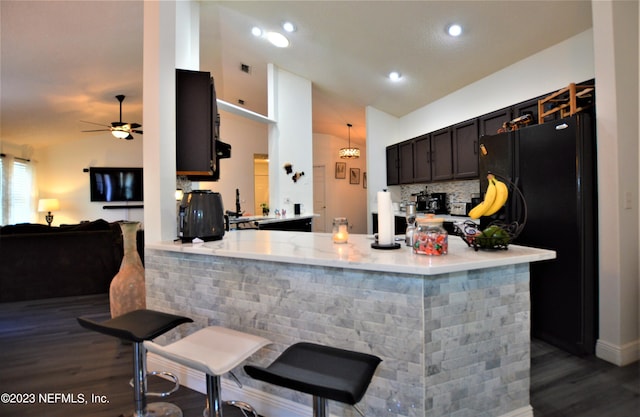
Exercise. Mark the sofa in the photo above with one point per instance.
(38, 261)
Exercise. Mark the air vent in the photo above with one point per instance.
(241, 102)
(245, 68)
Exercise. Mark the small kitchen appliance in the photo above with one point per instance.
(437, 203)
(201, 216)
(459, 209)
(422, 201)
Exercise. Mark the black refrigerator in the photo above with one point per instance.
(554, 165)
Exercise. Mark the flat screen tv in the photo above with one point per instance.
(116, 184)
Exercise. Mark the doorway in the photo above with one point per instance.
(319, 199)
(260, 182)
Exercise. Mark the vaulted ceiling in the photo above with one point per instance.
(63, 62)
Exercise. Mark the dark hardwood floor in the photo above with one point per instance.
(45, 352)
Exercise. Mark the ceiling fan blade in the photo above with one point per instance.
(137, 131)
(134, 125)
(129, 137)
(98, 130)
(93, 123)
(118, 124)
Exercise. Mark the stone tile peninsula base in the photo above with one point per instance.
(452, 343)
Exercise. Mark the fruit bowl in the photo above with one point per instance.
(498, 234)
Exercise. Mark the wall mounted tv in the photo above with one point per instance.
(116, 184)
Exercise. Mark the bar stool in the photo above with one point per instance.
(325, 372)
(215, 351)
(136, 327)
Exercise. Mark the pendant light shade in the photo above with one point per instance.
(349, 152)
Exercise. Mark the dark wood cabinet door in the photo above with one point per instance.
(194, 142)
(441, 155)
(527, 107)
(422, 159)
(489, 124)
(465, 150)
(393, 165)
(405, 152)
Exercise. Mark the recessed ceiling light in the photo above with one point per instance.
(289, 27)
(454, 30)
(395, 76)
(256, 31)
(277, 39)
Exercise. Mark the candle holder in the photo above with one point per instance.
(340, 230)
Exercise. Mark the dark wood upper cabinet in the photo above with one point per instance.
(465, 149)
(393, 165)
(194, 138)
(489, 124)
(405, 152)
(422, 159)
(451, 153)
(441, 155)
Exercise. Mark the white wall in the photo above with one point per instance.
(382, 131)
(616, 47)
(59, 170)
(547, 71)
(290, 140)
(343, 199)
(246, 138)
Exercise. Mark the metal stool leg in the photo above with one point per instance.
(320, 407)
(139, 380)
(214, 390)
(142, 409)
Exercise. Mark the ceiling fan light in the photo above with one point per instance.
(120, 134)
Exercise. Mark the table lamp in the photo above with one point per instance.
(48, 205)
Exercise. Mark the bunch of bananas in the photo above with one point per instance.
(495, 197)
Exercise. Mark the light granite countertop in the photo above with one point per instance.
(319, 249)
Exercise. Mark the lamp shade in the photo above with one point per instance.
(120, 133)
(48, 204)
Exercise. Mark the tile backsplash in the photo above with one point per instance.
(457, 191)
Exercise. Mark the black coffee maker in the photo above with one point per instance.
(437, 203)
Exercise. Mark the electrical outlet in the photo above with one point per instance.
(628, 200)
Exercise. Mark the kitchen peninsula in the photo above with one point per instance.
(453, 331)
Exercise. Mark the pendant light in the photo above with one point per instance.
(350, 152)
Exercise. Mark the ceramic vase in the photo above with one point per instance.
(127, 289)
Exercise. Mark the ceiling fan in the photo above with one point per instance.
(120, 130)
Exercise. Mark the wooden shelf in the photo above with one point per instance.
(565, 101)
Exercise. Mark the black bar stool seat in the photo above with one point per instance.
(325, 372)
(136, 327)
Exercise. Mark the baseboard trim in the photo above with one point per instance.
(264, 403)
(520, 412)
(618, 355)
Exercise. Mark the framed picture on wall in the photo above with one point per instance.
(354, 176)
(364, 180)
(341, 170)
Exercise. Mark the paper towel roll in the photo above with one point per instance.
(385, 219)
